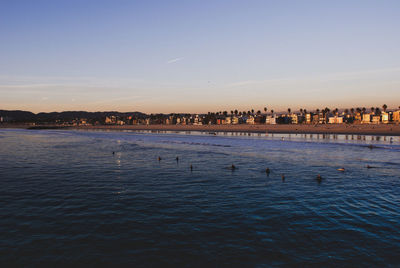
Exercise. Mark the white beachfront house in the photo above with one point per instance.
(335, 120)
(366, 119)
(270, 120)
(385, 117)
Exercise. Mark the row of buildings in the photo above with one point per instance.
(283, 118)
(303, 117)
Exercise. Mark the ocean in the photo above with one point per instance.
(104, 198)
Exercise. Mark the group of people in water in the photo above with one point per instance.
(267, 170)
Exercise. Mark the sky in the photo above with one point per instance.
(198, 56)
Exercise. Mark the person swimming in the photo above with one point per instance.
(233, 167)
(267, 171)
(283, 177)
(177, 159)
(319, 178)
(159, 158)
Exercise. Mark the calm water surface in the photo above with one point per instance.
(66, 199)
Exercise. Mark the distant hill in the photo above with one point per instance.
(24, 116)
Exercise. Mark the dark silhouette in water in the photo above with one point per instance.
(159, 158)
(267, 171)
(233, 167)
(177, 159)
(283, 177)
(191, 168)
(113, 153)
(319, 178)
(368, 166)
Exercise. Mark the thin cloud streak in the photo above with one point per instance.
(174, 60)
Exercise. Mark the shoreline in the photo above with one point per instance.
(342, 129)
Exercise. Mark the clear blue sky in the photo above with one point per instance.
(198, 56)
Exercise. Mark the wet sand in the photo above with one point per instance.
(356, 129)
(387, 130)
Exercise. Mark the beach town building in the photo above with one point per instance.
(376, 119)
(321, 118)
(358, 118)
(111, 120)
(83, 122)
(197, 120)
(294, 119)
(220, 121)
(250, 120)
(366, 118)
(396, 116)
(235, 120)
(228, 120)
(385, 117)
(308, 118)
(270, 120)
(335, 120)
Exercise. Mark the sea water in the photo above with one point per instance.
(91, 198)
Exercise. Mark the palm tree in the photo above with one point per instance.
(231, 112)
(336, 111)
(289, 110)
(258, 112)
(236, 112)
(301, 110)
(372, 109)
(352, 110)
(272, 111)
(384, 107)
(252, 111)
(317, 111)
(346, 111)
(265, 109)
(364, 110)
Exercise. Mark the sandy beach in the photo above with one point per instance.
(357, 129)
(386, 130)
